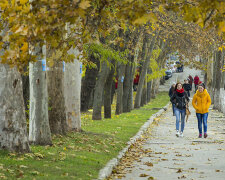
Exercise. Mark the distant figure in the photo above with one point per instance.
(201, 102)
(190, 80)
(116, 83)
(187, 87)
(171, 91)
(196, 81)
(180, 99)
(136, 80)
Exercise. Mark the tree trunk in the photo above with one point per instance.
(119, 101)
(154, 87)
(144, 94)
(72, 89)
(57, 111)
(39, 130)
(113, 91)
(107, 94)
(127, 86)
(149, 50)
(13, 127)
(209, 75)
(26, 91)
(88, 84)
(99, 90)
(130, 104)
(149, 89)
(218, 78)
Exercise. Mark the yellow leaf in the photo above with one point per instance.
(4, 4)
(24, 48)
(161, 9)
(84, 4)
(23, 2)
(221, 27)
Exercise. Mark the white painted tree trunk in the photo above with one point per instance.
(13, 128)
(39, 129)
(72, 90)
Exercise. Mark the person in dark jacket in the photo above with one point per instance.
(190, 80)
(180, 99)
(171, 91)
(187, 87)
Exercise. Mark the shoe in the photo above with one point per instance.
(205, 135)
(177, 134)
(200, 136)
(181, 134)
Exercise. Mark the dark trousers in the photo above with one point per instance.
(196, 86)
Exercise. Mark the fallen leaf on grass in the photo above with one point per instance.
(29, 155)
(11, 171)
(22, 166)
(143, 175)
(34, 172)
(39, 155)
(2, 176)
(65, 174)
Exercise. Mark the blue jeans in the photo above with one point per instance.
(180, 113)
(202, 118)
(173, 106)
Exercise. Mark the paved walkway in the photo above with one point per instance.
(163, 156)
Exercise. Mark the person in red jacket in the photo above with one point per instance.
(136, 80)
(196, 82)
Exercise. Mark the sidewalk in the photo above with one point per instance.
(163, 156)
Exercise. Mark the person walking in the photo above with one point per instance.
(196, 82)
(171, 91)
(201, 102)
(190, 80)
(187, 87)
(180, 99)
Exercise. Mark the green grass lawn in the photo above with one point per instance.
(79, 155)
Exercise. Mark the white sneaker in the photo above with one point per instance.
(177, 134)
(181, 134)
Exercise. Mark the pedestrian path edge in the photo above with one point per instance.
(107, 170)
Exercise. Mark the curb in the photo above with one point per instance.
(107, 170)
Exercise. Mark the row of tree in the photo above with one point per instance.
(111, 38)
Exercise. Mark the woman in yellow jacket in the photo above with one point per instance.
(201, 102)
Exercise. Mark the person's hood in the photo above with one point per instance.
(204, 93)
